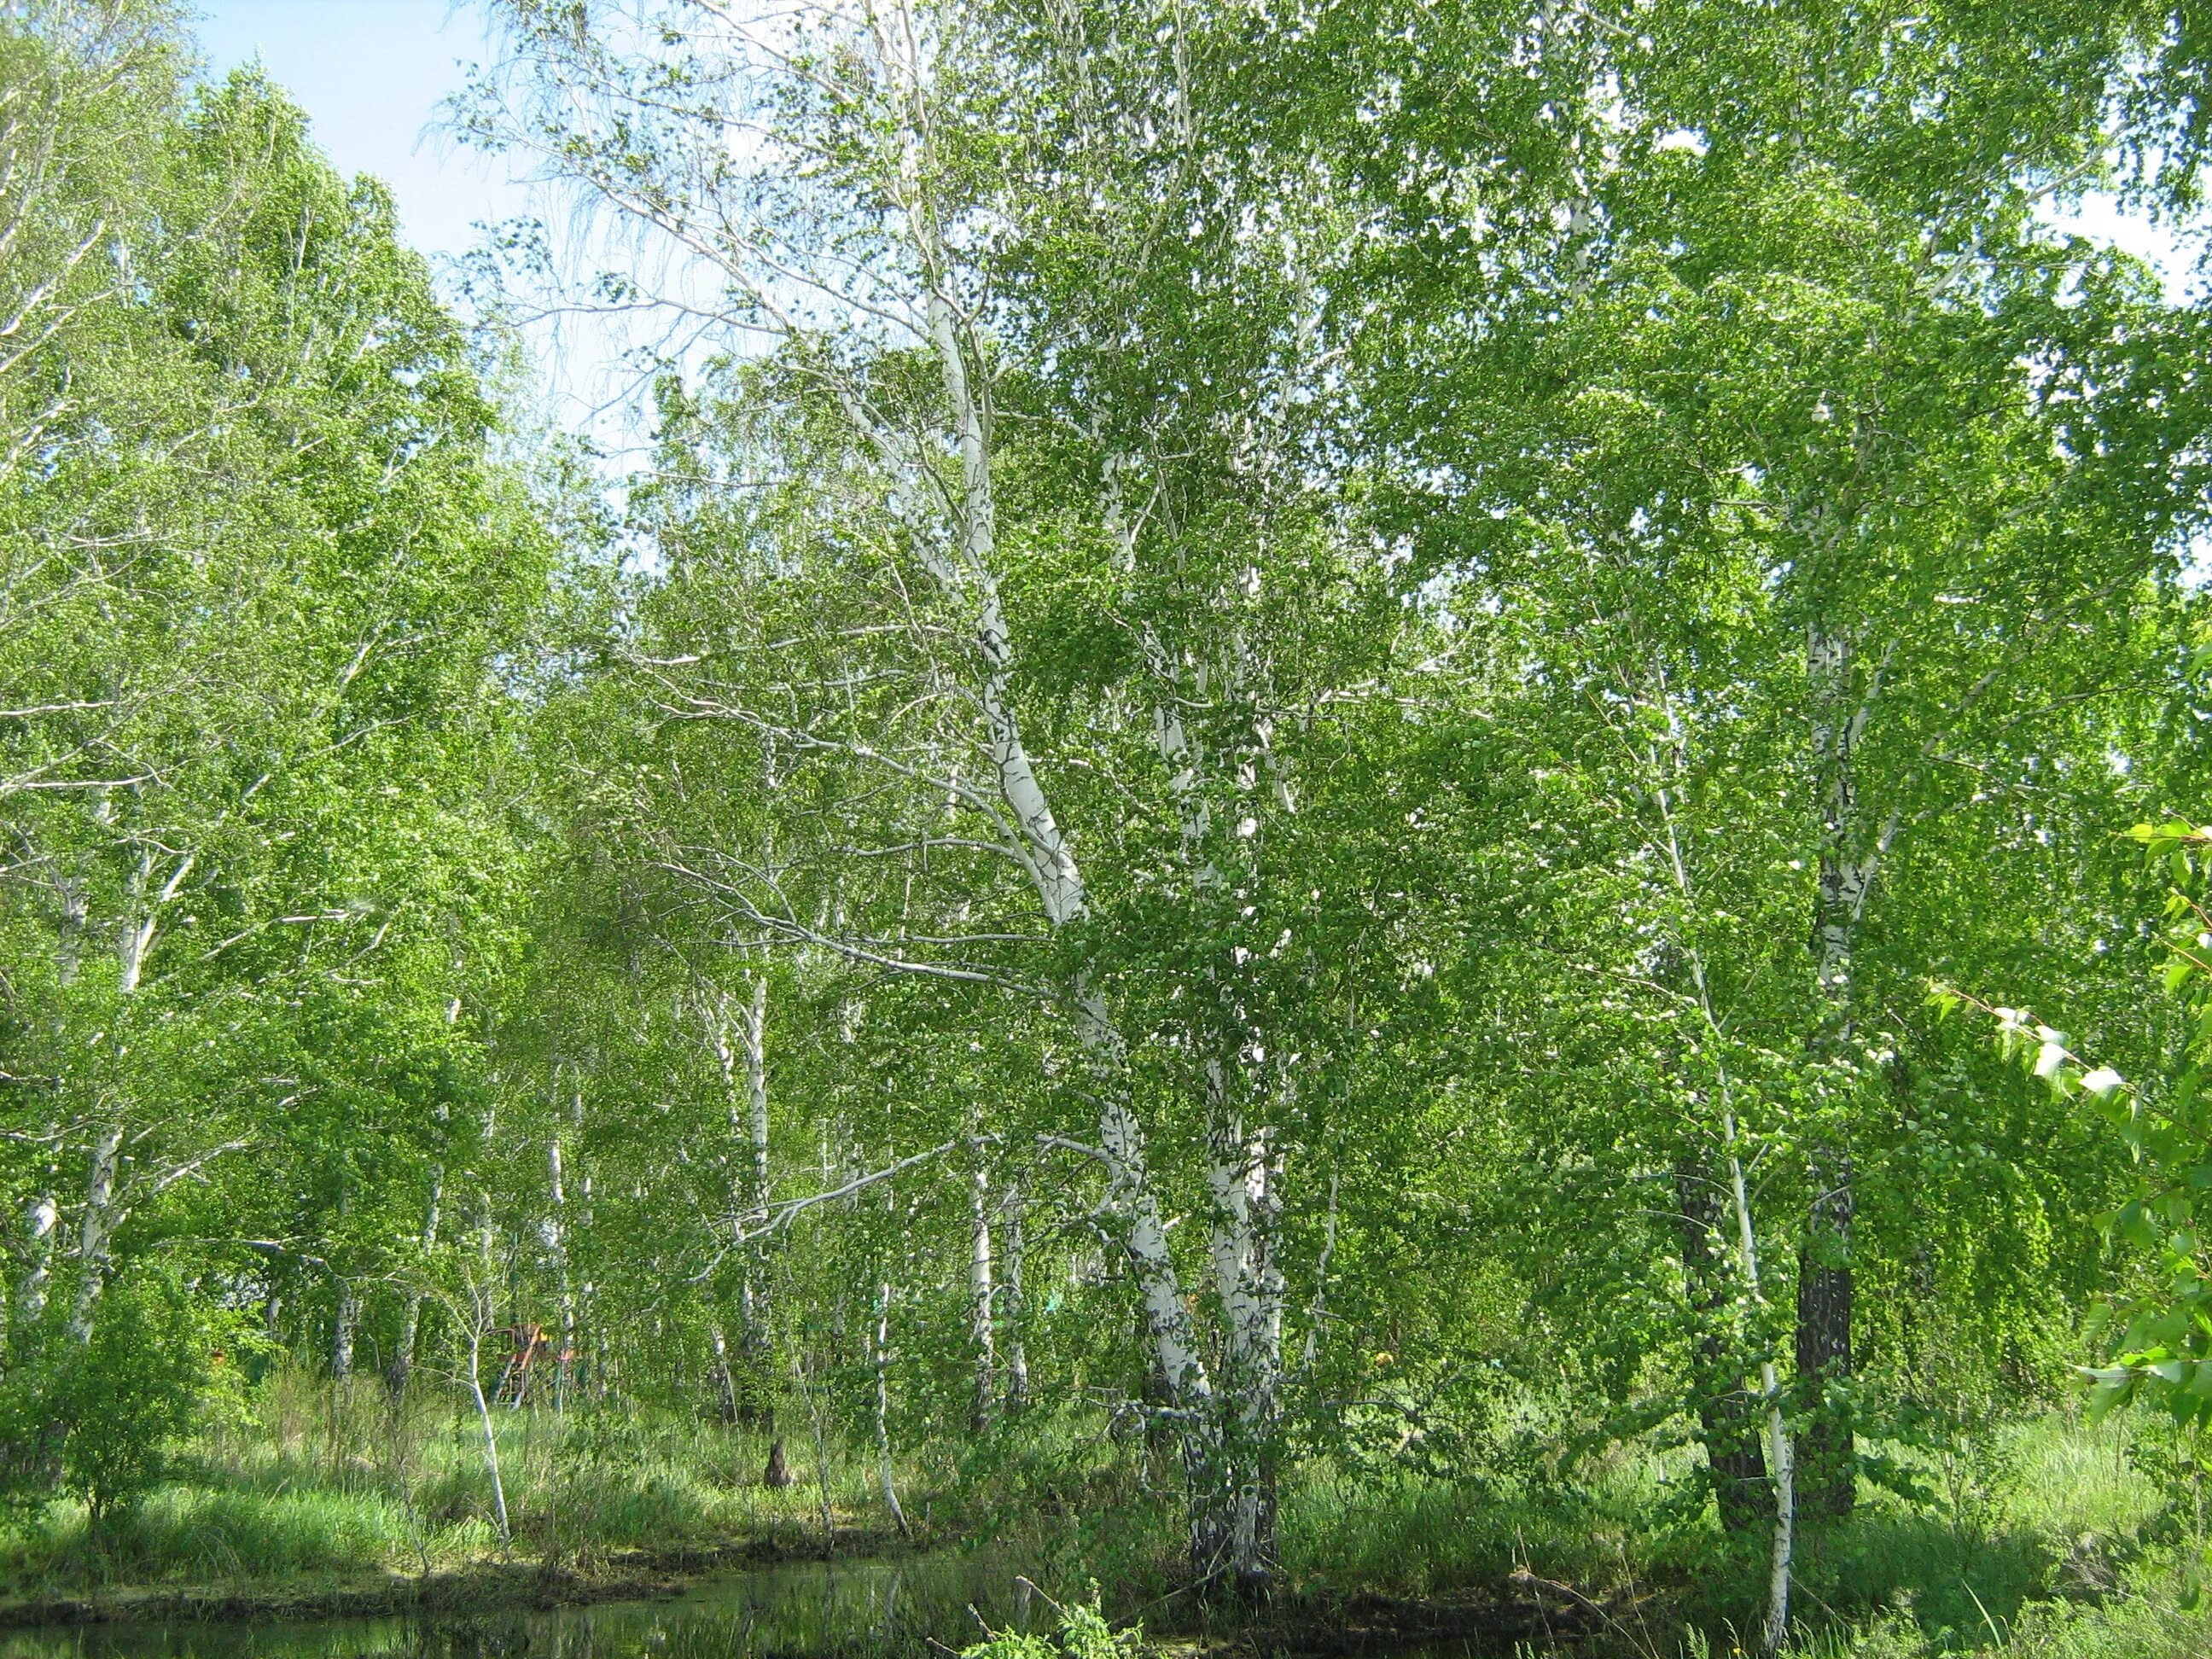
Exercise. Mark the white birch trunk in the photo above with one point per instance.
(1049, 860)
(134, 942)
(476, 1324)
(980, 1300)
(1849, 859)
(96, 1229)
(725, 1385)
(41, 1222)
(42, 1215)
(1780, 1451)
(879, 1337)
(557, 1239)
(343, 1329)
(745, 1084)
(1009, 1300)
(1242, 1176)
(410, 1320)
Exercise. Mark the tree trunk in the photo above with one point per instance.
(745, 1081)
(42, 1215)
(879, 1354)
(1781, 1451)
(343, 1328)
(98, 1227)
(556, 1244)
(978, 1300)
(42, 1221)
(968, 568)
(1233, 1530)
(483, 1419)
(1010, 1302)
(1849, 859)
(1728, 1411)
(726, 1386)
(402, 1363)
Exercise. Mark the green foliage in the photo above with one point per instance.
(1234, 835)
(106, 1414)
(2160, 1330)
(1083, 1632)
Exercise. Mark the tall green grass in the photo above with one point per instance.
(2041, 1538)
(336, 1481)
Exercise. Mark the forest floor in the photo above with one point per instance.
(2046, 1538)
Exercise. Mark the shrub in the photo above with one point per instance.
(101, 1416)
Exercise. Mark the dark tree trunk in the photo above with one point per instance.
(779, 1467)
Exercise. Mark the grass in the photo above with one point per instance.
(334, 1482)
(2041, 1539)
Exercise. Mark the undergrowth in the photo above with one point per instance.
(2041, 1540)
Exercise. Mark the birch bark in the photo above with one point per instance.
(1850, 858)
(969, 570)
(1009, 1300)
(980, 1299)
(744, 1083)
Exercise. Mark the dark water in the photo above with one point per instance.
(861, 1610)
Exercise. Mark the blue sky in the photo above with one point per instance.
(370, 73)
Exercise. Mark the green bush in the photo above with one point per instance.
(102, 1416)
(1083, 1633)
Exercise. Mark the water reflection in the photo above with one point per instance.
(821, 1611)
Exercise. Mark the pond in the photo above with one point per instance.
(813, 1609)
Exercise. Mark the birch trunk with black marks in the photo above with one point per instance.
(1843, 698)
(725, 1385)
(343, 1326)
(42, 1219)
(879, 1338)
(745, 1081)
(97, 1230)
(134, 942)
(1244, 1175)
(557, 1246)
(1780, 1443)
(985, 1405)
(42, 1214)
(967, 565)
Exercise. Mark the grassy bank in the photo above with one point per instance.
(2043, 1538)
(330, 1486)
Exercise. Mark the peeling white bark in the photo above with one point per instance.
(96, 1229)
(1049, 860)
(980, 1298)
(342, 1331)
(42, 1221)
